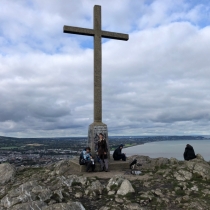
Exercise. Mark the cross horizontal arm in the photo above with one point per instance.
(77, 30)
(113, 35)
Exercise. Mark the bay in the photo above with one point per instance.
(170, 149)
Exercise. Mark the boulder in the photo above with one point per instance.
(65, 206)
(150, 163)
(125, 188)
(134, 206)
(202, 169)
(72, 179)
(67, 181)
(147, 196)
(105, 208)
(95, 188)
(114, 181)
(7, 173)
(173, 161)
(182, 175)
(45, 195)
(57, 195)
(21, 194)
(199, 156)
(157, 192)
(62, 167)
(35, 205)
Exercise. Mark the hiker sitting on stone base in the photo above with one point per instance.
(189, 153)
(87, 159)
(118, 155)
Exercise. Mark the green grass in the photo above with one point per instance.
(130, 196)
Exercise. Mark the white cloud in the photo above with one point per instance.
(155, 83)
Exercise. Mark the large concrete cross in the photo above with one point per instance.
(98, 34)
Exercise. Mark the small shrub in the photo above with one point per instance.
(76, 184)
(114, 187)
(180, 192)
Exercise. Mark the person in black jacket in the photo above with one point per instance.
(189, 153)
(118, 155)
(102, 153)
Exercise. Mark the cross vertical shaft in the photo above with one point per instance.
(97, 65)
(98, 35)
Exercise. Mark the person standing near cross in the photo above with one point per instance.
(97, 126)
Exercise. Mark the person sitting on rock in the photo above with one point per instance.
(189, 153)
(118, 155)
(87, 159)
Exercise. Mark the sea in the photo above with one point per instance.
(170, 149)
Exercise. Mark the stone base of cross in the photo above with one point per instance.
(93, 136)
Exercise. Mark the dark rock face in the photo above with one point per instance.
(162, 184)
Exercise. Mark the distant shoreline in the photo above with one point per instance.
(163, 140)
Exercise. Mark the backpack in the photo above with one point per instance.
(82, 161)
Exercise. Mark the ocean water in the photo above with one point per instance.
(170, 149)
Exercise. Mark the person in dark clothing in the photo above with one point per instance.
(87, 159)
(189, 153)
(118, 155)
(102, 153)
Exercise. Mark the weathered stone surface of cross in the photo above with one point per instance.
(98, 34)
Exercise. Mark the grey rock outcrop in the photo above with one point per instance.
(125, 188)
(35, 205)
(60, 167)
(134, 206)
(65, 206)
(7, 173)
(182, 175)
(150, 163)
(114, 181)
(95, 188)
(164, 184)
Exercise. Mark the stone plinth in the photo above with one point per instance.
(113, 165)
(93, 136)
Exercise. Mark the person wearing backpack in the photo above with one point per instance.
(87, 159)
(118, 155)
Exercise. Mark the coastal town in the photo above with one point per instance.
(38, 152)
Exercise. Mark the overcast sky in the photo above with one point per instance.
(156, 83)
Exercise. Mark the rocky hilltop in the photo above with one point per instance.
(163, 184)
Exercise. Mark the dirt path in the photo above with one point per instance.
(110, 174)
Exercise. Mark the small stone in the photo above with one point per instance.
(133, 206)
(194, 188)
(206, 192)
(78, 194)
(119, 200)
(111, 192)
(166, 200)
(185, 198)
(158, 192)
